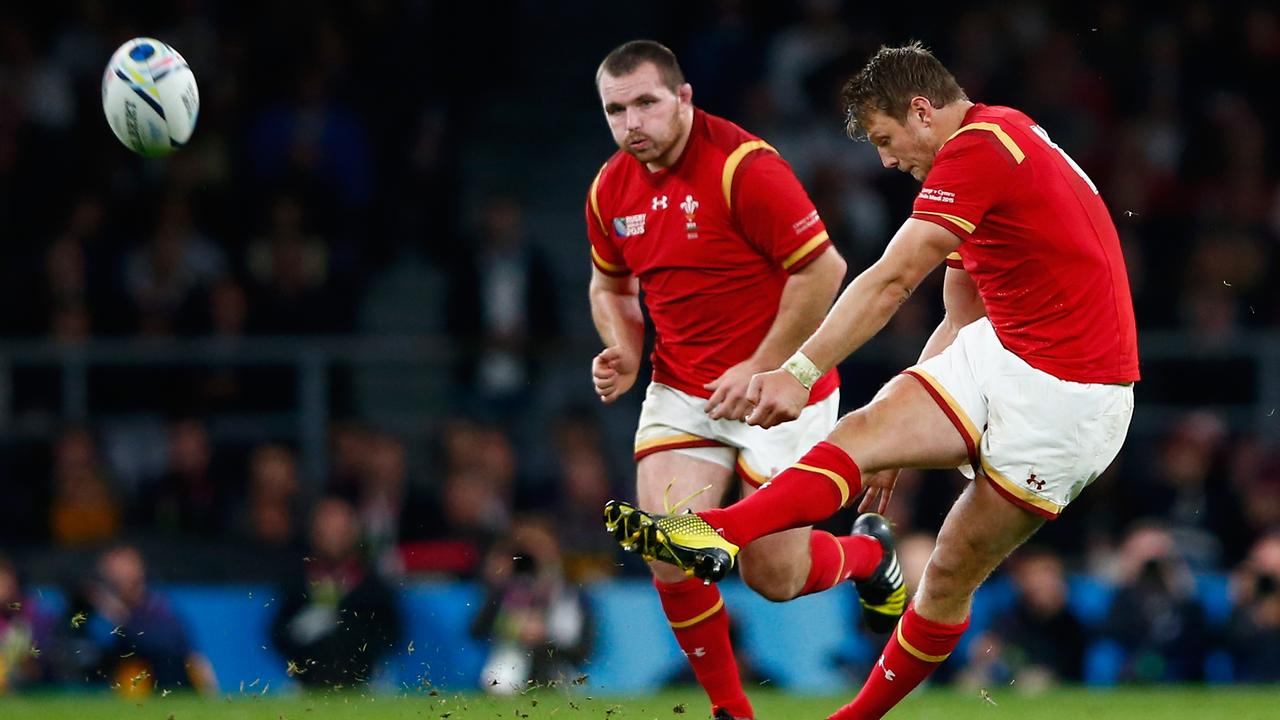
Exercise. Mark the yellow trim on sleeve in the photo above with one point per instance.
(955, 256)
(840, 482)
(804, 250)
(604, 264)
(1000, 134)
(732, 163)
(961, 222)
(956, 408)
(595, 201)
(920, 654)
(700, 616)
(1018, 491)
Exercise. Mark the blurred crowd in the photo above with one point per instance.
(329, 191)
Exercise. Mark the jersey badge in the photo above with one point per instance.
(659, 202)
(689, 206)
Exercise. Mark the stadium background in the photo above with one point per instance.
(366, 276)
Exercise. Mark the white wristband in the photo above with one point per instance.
(802, 369)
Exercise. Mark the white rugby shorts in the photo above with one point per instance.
(1039, 439)
(671, 419)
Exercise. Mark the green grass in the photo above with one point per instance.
(1201, 704)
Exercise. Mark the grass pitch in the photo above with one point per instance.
(1199, 703)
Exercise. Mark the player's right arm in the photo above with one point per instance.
(615, 309)
(962, 305)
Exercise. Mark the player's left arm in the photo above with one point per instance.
(804, 302)
(863, 309)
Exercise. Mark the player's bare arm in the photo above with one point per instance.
(862, 310)
(615, 309)
(962, 305)
(805, 300)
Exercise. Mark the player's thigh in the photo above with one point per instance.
(702, 475)
(902, 427)
(979, 532)
(687, 477)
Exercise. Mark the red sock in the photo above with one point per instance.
(811, 490)
(836, 559)
(913, 651)
(701, 624)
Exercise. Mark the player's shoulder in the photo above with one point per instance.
(725, 139)
(611, 176)
(999, 129)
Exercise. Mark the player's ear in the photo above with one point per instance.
(922, 109)
(685, 93)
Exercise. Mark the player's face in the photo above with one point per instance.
(907, 147)
(645, 116)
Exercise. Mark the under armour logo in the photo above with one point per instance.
(888, 674)
(697, 652)
(660, 203)
(1032, 480)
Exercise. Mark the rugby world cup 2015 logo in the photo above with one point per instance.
(629, 226)
(689, 206)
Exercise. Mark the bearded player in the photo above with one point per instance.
(1027, 383)
(737, 271)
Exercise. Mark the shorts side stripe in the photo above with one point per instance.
(1020, 496)
(952, 409)
(672, 442)
(749, 476)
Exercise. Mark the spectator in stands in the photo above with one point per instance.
(1155, 614)
(192, 497)
(582, 489)
(25, 634)
(503, 303)
(1038, 642)
(167, 276)
(1254, 630)
(537, 623)
(142, 643)
(289, 267)
(270, 514)
(337, 617)
(84, 509)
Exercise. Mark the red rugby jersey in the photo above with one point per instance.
(712, 240)
(1039, 244)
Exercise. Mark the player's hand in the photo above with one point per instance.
(729, 393)
(879, 490)
(776, 397)
(613, 373)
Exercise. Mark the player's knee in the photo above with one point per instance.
(777, 583)
(951, 572)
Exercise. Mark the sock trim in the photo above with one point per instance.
(699, 617)
(918, 653)
(834, 477)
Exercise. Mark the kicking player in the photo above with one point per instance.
(737, 271)
(1027, 383)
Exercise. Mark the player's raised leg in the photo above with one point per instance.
(966, 553)
(902, 427)
(695, 610)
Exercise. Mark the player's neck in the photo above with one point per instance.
(671, 156)
(948, 119)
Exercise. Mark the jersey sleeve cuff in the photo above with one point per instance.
(806, 253)
(607, 267)
(956, 224)
(955, 261)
